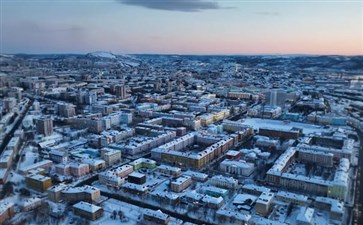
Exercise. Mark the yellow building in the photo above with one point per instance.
(38, 182)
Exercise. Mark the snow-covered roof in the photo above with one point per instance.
(85, 206)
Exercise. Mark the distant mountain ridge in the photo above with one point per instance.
(293, 62)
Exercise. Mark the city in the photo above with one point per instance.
(181, 112)
(146, 143)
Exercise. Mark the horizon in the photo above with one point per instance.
(180, 54)
(182, 27)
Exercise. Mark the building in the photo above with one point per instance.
(169, 170)
(95, 164)
(9, 104)
(78, 169)
(55, 192)
(45, 126)
(123, 171)
(213, 202)
(111, 156)
(264, 203)
(237, 167)
(213, 191)
(333, 206)
(224, 182)
(6, 211)
(254, 189)
(31, 204)
(38, 182)
(84, 193)
(233, 155)
(316, 157)
(196, 176)
(58, 156)
(136, 178)
(233, 217)
(66, 110)
(290, 197)
(87, 210)
(305, 216)
(171, 152)
(143, 163)
(155, 217)
(336, 188)
(121, 91)
(110, 178)
(181, 183)
(279, 133)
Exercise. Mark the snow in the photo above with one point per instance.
(258, 123)
(100, 54)
(132, 213)
(29, 157)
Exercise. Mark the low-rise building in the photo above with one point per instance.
(224, 182)
(87, 210)
(6, 211)
(264, 203)
(155, 217)
(181, 183)
(237, 167)
(38, 182)
(169, 170)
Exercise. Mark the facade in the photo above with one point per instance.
(336, 188)
(264, 203)
(136, 178)
(156, 217)
(87, 210)
(237, 167)
(171, 152)
(169, 170)
(143, 163)
(224, 182)
(181, 183)
(6, 211)
(84, 193)
(58, 156)
(284, 134)
(121, 91)
(31, 204)
(111, 156)
(110, 178)
(45, 126)
(38, 182)
(45, 164)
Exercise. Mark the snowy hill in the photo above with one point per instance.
(100, 54)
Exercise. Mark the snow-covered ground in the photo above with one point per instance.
(132, 213)
(108, 55)
(29, 157)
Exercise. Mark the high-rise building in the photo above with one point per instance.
(9, 104)
(45, 126)
(121, 91)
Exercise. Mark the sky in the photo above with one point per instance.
(182, 26)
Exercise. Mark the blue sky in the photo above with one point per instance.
(182, 26)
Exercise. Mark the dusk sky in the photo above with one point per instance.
(182, 26)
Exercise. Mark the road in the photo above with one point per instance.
(358, 217)
(19, 120)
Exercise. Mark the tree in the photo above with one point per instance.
(114, 213)
(8, 189)
(120, 214)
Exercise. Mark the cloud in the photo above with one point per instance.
(266, 13)
(175, 5)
